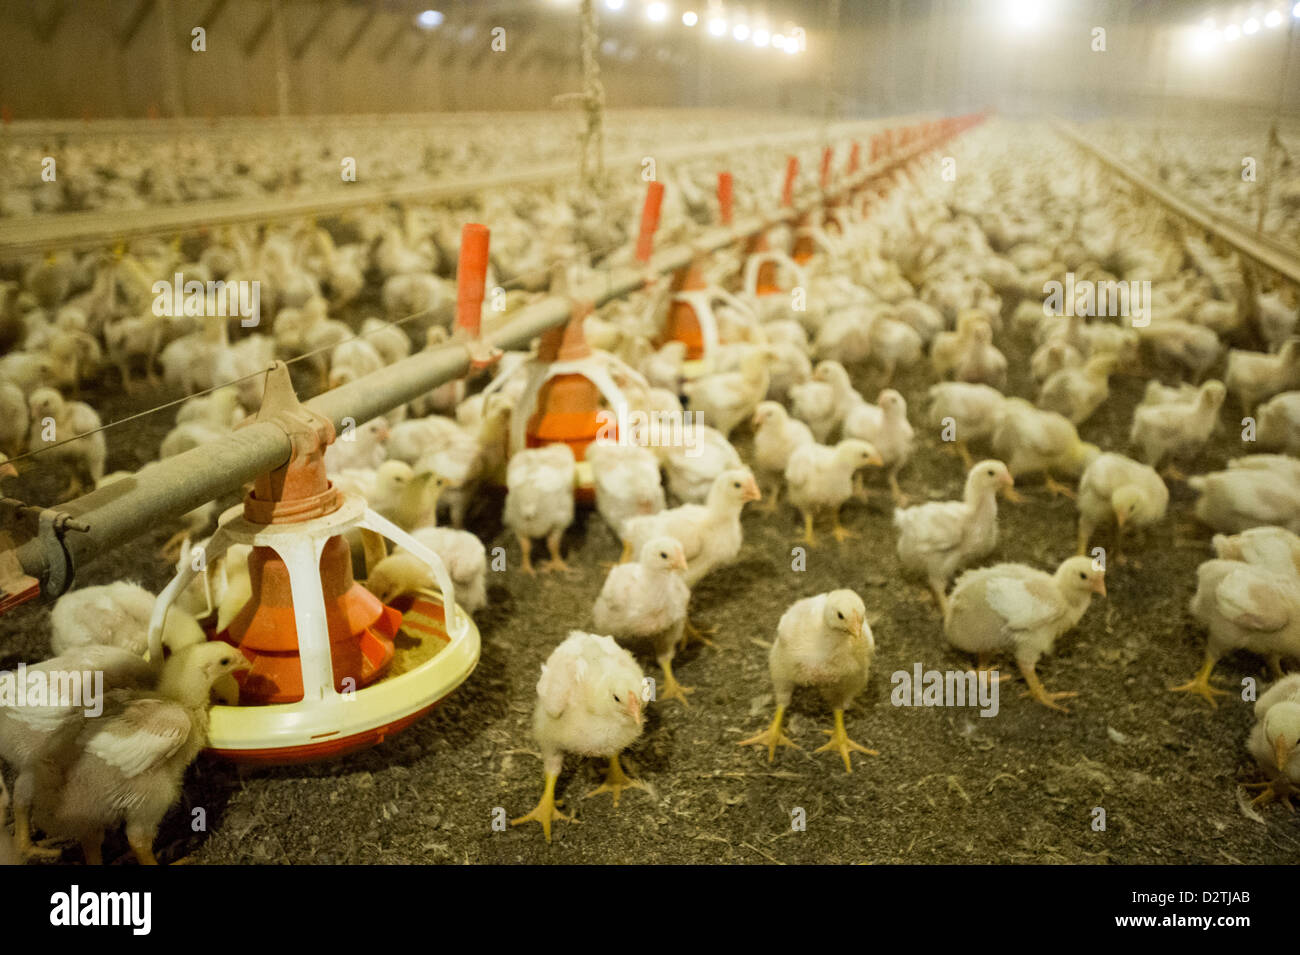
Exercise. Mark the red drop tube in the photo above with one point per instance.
(645, 242)
(724, 197)
(828, 154)
(854, 156)
(791, 173)
(471, 276)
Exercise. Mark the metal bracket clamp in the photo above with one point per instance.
(16, 586)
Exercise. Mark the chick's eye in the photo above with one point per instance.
(1083, 576)
(736, 485)
(663, 555)
(990, 472)
(225, 661)
(840, 615)
(616, 698)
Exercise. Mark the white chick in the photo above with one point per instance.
(885, 427)
(539, 500)
(353, 359)
(1018, 608)
(824, 401)
(776, 435)
(364, 446)
(1243, 497)
(1274, 741)
(1053, 356)
(1078, 392)
(971, 410)
(54, 421)
(725, 400)
(462, 553)
(1243, 607)
(1279, 423)
(693, 465)
(112, 615)
(13, 419)
(1254, 376)
(588, 703)
(627, 482)
(820, 477)
(129, 762)
(1174, 429)
(396, 491)
(710, 533)
(1119, 489)
(822, 641)
(648, 600)
(1273, 548)
(1033, 441)
(34, 739)
(939, 538)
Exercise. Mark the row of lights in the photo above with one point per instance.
(1208, 35)
(717, 25)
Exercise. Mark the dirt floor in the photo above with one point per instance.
(947, 787)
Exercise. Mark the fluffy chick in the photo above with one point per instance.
(54, 422)
(1018, 608)
(1243, 607)
(939, 538)
(129, 762)
(115, 615)
(1033, 441)
(627, 482)
(588, 703)
(539, 500)
(1245, 496)
(885, 427)
(725, 400)
(34, 740)
(972, 411)
(648, 600)
(1117, 488)
(820, 476)
(1273, 548)
(1176, 429)
(822, 641)
(1274, 741)
(776, 435)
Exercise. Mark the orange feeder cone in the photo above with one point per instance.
(767, 284)
(266, 629)
(683, 324)
(568, 405)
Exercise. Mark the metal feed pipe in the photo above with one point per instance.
(166, 489)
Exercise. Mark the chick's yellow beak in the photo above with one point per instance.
(1099, 585)
(752, 493)
(634, 709)
(679, 562)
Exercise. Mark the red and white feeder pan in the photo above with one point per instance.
(333, 669)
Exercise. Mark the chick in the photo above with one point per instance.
(648, 600)
(462, 554)
(1032, 441)
(822, 641)
(1117, 488)
(1255, 376)
(1273, 548)
(396, 491)
(56, 424)
(33, 739)
(128, 764)
(588, 703)
(115, 615)
(692, 467)
(972, 410)
(1274, 741)
(1244, 496)
(627, 482)
(364, 446)
(1078, 392)
(824, 401)
(1175, 429)
(939, 538)
(1279, 423)
(725, 400)
(776, 435)
(1018, 608)
(885, 427)
(539, 500)
(710, 533)
(1243, 607)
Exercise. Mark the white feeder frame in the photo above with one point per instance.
(324, 714)
(757, 260)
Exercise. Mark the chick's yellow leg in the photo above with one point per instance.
(553, 545)
(142, 846)
(526, 548)
(841, 532)
(92, 848)
(840, 743)
(671, 689)
(809, 537)
(1039, 692)
(23, 838)
(1057, 488)
(772, 737)
(693, 634)
(1275, 790)
(1200, 684)
(616, 781)
(545, 811)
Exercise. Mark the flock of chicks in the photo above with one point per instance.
(922, 278)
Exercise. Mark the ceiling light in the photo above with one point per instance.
(762, 38)
(429, 19)
(718, 26)
(1250, 26)
(1232, 33)
(1273, 19)
(690, 18)
(657, 12)
(741, 33)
